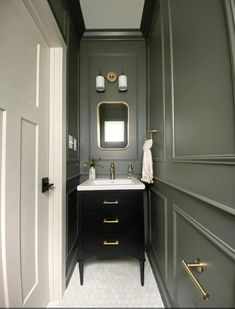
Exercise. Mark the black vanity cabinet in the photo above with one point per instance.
(111, 224)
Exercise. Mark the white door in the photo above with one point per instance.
(24, 138)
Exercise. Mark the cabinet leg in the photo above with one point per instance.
(142, 272)
(81, 271)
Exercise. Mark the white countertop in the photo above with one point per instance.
(100, 184)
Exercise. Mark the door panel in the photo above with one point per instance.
(28, 206)
(24, 95)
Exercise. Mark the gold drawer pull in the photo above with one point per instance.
(110, 202)
(111, 221)
(110, 243)
(200, 268)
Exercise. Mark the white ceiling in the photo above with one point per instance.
(112, 14)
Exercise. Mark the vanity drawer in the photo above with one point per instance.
(113, 218)
(113, 243)
(112, 199)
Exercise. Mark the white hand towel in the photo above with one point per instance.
(147, 169)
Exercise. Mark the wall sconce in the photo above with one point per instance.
(100, 83)
(122, 82)
(111, 77)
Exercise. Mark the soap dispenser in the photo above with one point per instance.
(130, 171)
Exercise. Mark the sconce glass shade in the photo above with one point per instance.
(122, 82)
(100, 83)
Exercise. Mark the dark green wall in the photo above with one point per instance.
(72, 102)
(71, 30)
(112, 55)
(71, 34)
(191, 102)
(70, 20)
(62, 16)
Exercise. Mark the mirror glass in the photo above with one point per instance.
(113, 125)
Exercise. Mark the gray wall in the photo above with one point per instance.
(71, 36)
(72, 154)
(191, 102)
(69, 30)
(111, 55)
(72, 102)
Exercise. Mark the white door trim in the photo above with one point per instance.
(43, 17)
(57, 174)
(3, 214)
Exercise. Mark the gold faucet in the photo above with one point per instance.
(112, 171)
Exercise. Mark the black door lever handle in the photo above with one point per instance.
(46, 185)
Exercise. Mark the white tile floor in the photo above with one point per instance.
(112, 284)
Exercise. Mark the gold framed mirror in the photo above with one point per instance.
(113, 125)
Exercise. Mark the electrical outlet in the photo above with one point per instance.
(74, 144)
(70, 142)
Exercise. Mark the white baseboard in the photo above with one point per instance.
(52, 304)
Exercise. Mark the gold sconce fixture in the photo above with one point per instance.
(111, 77)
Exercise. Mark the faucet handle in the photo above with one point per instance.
(112, 170)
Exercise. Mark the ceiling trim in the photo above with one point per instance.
(114, 34)
(148, 14)
(77, 16)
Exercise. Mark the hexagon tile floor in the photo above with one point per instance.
(112, 284)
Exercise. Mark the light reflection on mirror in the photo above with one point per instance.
(114, 131)
(113, 125)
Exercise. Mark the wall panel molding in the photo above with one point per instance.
(159, 14)
(119, 155)
(161, 283)
(196, 174)
(164, 199)
(72, 180)
(216, 160)
(228, 159)
(214, 239)
(222, 207)
(133, 109)
(72, 227)
(229, 8)
(163, 91)
(112, 56)
(217, 241)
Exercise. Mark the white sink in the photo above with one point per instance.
(111, 184)
(101, 182)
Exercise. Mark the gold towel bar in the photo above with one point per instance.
(150, 133)
(200, 268)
